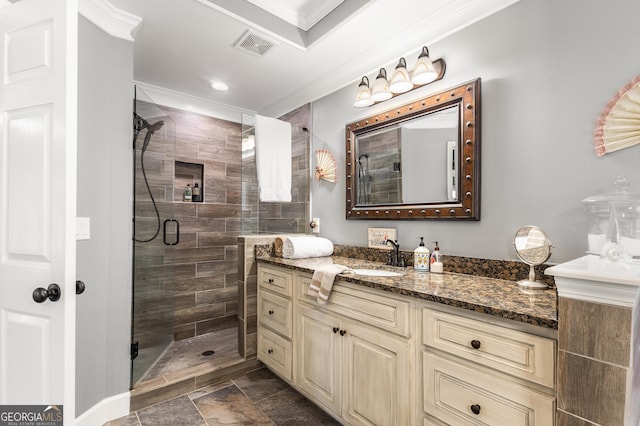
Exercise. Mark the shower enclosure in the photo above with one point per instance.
(155, 234)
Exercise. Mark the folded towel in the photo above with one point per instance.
(302, 247)
(273, 159)
(278, 244)
(322, 281)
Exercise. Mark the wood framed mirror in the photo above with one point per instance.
(417, 161)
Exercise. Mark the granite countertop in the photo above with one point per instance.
(491, 296)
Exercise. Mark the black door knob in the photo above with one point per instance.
(52, 293)
(336, 329)
(270, 312)
(475, 409)
(475, 344)
(343, 332)
(80, 287)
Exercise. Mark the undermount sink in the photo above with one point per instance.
(376, 272)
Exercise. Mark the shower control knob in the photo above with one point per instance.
(42, 294)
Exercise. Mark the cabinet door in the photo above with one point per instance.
(317, 354)
(378, 377)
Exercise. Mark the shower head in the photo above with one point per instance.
(140, 124)
(152, 128)
(363, 155)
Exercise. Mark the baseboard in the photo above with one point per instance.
(108, 409)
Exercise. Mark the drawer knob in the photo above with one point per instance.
(335, 329)
(270, 351)
(475, 409)
(475, 344)
(343, 332)
(270, 312)
(270, 280)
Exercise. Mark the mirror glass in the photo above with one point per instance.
(418, 161)
(533, 247)
(392, 161)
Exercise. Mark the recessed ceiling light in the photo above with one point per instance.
(218, 85)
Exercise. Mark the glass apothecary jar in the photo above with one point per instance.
(613, 222)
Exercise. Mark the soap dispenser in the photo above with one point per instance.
(188, 194)
(421, 257)
(436, 260)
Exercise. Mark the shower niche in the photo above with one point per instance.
(191, 174)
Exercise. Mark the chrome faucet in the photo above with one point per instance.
(395, 257)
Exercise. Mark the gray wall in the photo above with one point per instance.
(548, 69)
(105, 74)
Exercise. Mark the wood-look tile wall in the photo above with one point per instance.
(267, 218)
(381, 183)
(593, 362)
(206, 292)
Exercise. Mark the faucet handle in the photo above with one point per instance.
(401, 260)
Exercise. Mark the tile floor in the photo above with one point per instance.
(255, 398)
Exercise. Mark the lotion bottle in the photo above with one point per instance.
(436, 260)
(421, 257)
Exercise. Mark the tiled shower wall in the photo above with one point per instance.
(206, 293)
(293, 217)
(270, 218)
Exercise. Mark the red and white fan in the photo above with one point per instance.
(326, 166)
(619, 124)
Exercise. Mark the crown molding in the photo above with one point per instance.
(182, 101)
(110, 19)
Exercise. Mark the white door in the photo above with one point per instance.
(38, 92)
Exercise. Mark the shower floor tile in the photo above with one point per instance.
(187, 354)
(255, 398)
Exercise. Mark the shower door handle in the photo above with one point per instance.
(164, 233)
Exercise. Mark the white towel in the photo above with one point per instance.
(322, 281)
(303, 247)
(273, 159)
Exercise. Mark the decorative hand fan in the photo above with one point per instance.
(325, 166)
(619, 123)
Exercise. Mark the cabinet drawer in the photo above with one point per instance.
(275, 279)
(382, 311)
(513, 352)
(275, 312)
(275, 352)
(460, 395)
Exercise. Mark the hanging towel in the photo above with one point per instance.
(322, 281)
(303, 247)
(273, 159)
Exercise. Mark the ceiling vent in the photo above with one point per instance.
(254, 44)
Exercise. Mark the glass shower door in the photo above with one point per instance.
(155, 237)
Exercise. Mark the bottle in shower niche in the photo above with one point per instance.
(195, 193)
(188, 196)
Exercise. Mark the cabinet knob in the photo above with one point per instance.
(270, 312)
(270, 280)
(343, 332)
(335, 329)
(475, 409)
(475, 344)
(270, 351)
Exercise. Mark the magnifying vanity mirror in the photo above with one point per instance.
(533, 247)
(417, 161)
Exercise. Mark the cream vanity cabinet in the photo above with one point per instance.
(353, 355)
(275, 319)
(484, 373)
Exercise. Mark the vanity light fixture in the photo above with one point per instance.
(424, 71)
(380, 91)
(363, 95)
(401, 81)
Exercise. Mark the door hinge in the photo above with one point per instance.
(134, 350)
